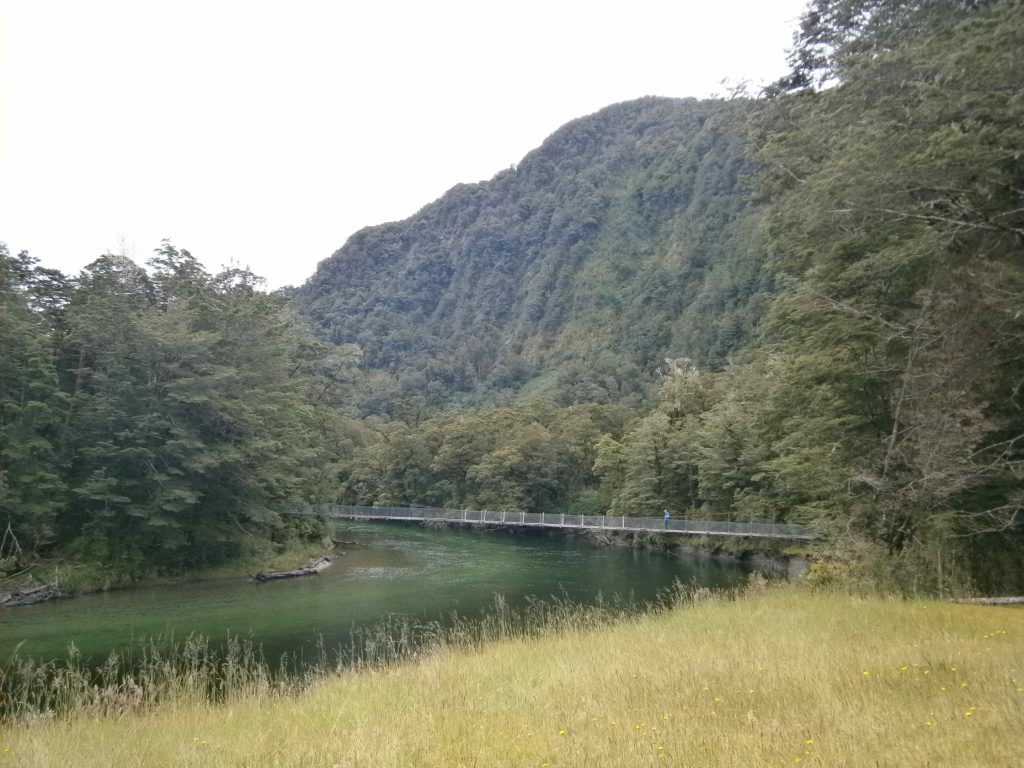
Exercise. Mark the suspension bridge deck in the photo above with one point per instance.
(586, 522)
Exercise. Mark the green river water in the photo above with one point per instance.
(404, 570)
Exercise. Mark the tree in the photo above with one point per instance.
(189, 413)
(32, 409)
(835, 35)
(898, 216)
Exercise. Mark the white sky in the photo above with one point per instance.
(266, 132)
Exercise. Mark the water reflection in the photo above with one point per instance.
(405, 570)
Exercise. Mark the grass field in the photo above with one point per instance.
(782, 678)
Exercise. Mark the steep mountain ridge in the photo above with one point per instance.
(627, 236)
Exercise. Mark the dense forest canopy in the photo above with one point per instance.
(841, 313)
(802, 307)
(150, 420)
(628, 236)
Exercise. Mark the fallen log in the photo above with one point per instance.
(990, 600)
(312, 568)
(30, 596)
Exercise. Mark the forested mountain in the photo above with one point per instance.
(628, 236)
(849, 352)
(802, 307)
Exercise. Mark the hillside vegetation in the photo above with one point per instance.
(616, 324)
(627, 236)
(804, 307)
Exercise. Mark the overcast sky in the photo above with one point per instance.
(265, 133)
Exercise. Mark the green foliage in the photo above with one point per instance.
(879, 398)
(902, 229)
(835, 35)
(628, 236)
(32, 409)
(882, 398)
(154, 421)
(612, 325)
(534, 458)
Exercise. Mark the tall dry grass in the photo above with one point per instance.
(157, 671)
(783, 677)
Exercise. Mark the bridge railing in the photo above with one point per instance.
(559, 520)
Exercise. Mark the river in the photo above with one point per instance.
(403, 570)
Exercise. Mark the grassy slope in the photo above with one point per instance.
(784, 678)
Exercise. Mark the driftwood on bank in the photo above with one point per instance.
(312, 568)
(991, 600)
(29, 595)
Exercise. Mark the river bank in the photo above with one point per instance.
(781, 677)
(65, 580)
(775, 557)
(420, 574)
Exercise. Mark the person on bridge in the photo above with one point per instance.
(667, 516)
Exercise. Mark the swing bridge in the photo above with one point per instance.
(490, 518)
